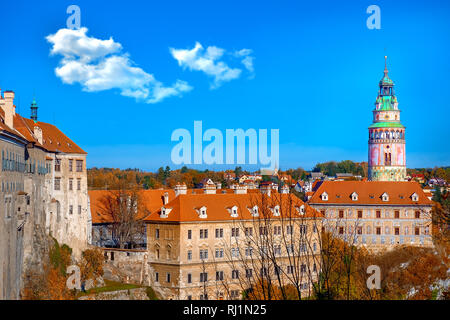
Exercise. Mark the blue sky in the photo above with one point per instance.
(316, 72)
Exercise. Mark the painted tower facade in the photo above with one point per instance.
(387, 160)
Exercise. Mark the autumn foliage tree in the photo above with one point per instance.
(50, 283)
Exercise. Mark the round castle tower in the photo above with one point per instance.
(387, 160)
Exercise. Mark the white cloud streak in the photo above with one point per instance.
(99, 65)
(210, 62)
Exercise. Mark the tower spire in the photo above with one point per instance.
(385, 66)
(34, 108)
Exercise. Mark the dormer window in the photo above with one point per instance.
(324, 196)
(276, 211)
(301, 209)
(254, 211)
(233, 211)
(165, 212)
(385, 197)
(415, 197)
(354, 196)
(202, 212)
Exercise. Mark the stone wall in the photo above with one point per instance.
(130, 294)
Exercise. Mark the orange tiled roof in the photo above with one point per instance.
(183, 207)
(153, 201)
(217, 205)
(52, 138)
(370, 192)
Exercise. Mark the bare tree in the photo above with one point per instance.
(126, 212)
(274, 247)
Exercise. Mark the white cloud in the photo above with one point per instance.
(99, 65)
(247, 59)
(209, 62)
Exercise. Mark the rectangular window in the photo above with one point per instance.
(219, 253)
(235, 274)
(263, 271)
(203, 254)
(57, 183)
(290, 230)
(57, 165)
(156, 277)
(378, 214)
(303, 268)
(289, 248)
(156, 233)
(78, 184)
(219, 275)
(416, 231)
(203, 276)
(290, 269)
(70, 184)
(341, 214)
(303, 228)
(248, 231)
(277, 249)
(70, 209)
(397, 214)
(263, 231)
(189, 278)
(189, 235)
(378, 230)
(79, 209)
(360, 214)
(235, 232)
(397, 231)
(168, 277)
(203, 233)
(417, 214)
(249, 251)
(79, 165)
(219, 233)
(189, 255)
(341, 230)
(277, 230)
(248, 273)
(303, 247)
(70, 165)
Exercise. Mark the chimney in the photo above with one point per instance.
(38, 133)
(266, 188)
(7, 104)
(166, 198)
(284, 189)
(210, 189)
(180, 189)
(240, 190)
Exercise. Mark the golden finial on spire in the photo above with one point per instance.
(385, 66)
